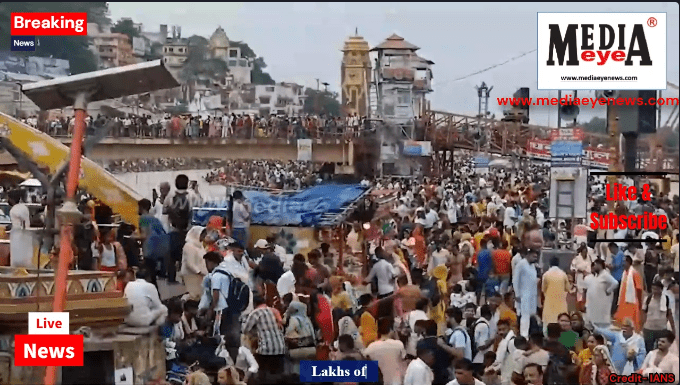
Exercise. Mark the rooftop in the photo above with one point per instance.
(395, 42)
(355, 43)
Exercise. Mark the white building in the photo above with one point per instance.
(403, 79)
(280, 99)
(264, 100)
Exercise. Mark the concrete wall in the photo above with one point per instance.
(144, 182)
(256, 149)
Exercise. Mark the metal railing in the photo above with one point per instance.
(278, 131)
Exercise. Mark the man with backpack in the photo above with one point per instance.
(480, 338)
(458, 340)
(178, 207)
(224, 299)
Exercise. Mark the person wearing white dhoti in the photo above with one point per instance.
(20, 238)
(599, 287)
(525, 283)
(580, 266)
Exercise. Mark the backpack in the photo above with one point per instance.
(471, 333)
(179, 214)
(466, 335)
(238, 297)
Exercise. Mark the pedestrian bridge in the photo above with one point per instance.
(334, 150)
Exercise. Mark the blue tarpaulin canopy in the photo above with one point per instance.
(311, 207)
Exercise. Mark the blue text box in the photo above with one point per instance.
(22, 43)
(339, 371)
(558, 149)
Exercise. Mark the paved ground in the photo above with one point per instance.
(167, 291)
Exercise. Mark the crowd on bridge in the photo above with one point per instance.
(242, 126)
(454, 285)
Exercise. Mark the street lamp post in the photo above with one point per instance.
(77, 91)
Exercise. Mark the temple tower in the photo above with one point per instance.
(355, 74)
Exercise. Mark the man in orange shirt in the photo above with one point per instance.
(501, 259)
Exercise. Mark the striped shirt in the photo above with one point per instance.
(270, 337)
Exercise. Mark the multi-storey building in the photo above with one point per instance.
(175, 51)
(265, 99)
(402, 79)
(111, 49)
(401, 82)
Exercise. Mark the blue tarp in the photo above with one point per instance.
(304, 208)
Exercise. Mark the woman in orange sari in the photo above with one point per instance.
(630, 295)
(420, 247)
(218, 224)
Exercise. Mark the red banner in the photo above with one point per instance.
(566, 134)
(537, 148)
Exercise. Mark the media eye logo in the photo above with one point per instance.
(23, 43)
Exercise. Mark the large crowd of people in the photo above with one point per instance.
(457, 284)
(243, 126)
(292, 175)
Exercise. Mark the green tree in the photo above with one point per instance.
(156, 51)
(200, 68)
(126, 26)
(258, 74)
(75, 49)
(596, 125)
(321, 102)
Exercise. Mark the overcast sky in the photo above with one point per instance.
(301, 41)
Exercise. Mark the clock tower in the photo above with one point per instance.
(355, 74)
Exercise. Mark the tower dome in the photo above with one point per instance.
(219, 39)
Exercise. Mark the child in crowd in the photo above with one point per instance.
(457, 294)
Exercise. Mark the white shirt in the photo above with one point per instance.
(241, 217)
(390, 355)
(146, 304)
(385, 272)
(418, 373)
(431, 218)
(438, 258)
(452, 211)
(503, 355)
(482, 335)
(509, 217)
(286, 284)
(21, 239)
(157, 211)
(461, 340)
(244, 360)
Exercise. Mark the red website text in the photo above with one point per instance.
(586, 101)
